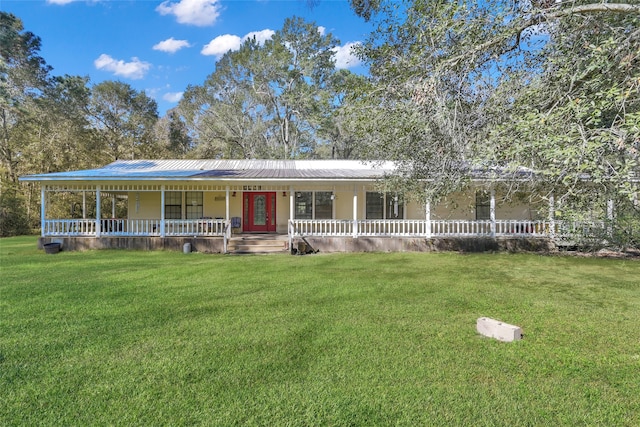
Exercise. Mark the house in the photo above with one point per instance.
(334, 205)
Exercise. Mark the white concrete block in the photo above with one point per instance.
(496, 329)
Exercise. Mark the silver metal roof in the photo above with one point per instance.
(284, 170)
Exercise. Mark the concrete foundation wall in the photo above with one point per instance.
(409, 244)
(205, 245)
(323, 244)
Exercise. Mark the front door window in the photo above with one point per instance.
(260, 210)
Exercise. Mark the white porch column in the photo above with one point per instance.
(552, 216)
(84, 204)
(43, 208)
(98, 213)
(492, 212)
(610, 216)
(292, 201)
(162, 232)
(113, 206)
(427, 214)
(292, 212)
(355, 211)
(226, 206)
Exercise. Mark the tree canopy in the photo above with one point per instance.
(553, 86)
(273, 100)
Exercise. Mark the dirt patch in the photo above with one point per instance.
(630, 253)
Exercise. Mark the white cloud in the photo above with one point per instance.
(321, 30)
(60, 2)
(261, 36)
(172, 96)
(171, 45)
(135, 69)
(201, 13)
(221, 45)
(226, 42)
(344, 56)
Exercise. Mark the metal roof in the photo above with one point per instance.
(228, 170)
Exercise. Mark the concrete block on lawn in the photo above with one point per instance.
(501, 331)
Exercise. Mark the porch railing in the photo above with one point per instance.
(434, 228)
(560, 230)
(135, 227)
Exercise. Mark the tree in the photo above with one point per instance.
(466, 84)
(578, 120)
(124, 120)
(265, 100)
(172, 135)
(24, 75)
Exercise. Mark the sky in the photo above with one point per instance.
(161, 47)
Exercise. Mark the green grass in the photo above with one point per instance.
(164, 338)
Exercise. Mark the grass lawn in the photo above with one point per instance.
(166, 338)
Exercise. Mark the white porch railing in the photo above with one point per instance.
(561, 230)
(322, 227)
(424, 228)
(135, 227)
(69, 227)
(390, 227)
(195, 227)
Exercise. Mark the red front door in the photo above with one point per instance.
(260, 212)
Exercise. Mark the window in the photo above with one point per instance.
(194, 205)
(375, 205)
(173, 205)
(314, 205)
(384, 206)
(483, 205)
(323, 205)
(304, 205)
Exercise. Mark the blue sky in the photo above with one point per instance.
(161, 47)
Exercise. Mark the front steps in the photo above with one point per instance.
(258, 244)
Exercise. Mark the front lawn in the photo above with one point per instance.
(166, 338)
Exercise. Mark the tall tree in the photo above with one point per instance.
(124, 120)
(266, 100)
(172, 135)
(24, 75)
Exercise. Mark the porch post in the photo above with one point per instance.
(610, 216)
(98, 213)
(226, 201)
(492, 212)
(113, 206)
(292, 201)
(355, 211)
(84, 204)
(43, 208)
(162, 211)
(427, 213)
(290, 227)
(552, 216)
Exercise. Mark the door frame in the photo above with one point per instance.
(248, 208)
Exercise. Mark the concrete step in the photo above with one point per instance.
(256, 245)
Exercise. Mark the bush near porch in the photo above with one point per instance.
(165, 338)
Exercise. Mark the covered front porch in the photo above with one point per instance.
(225, 211)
